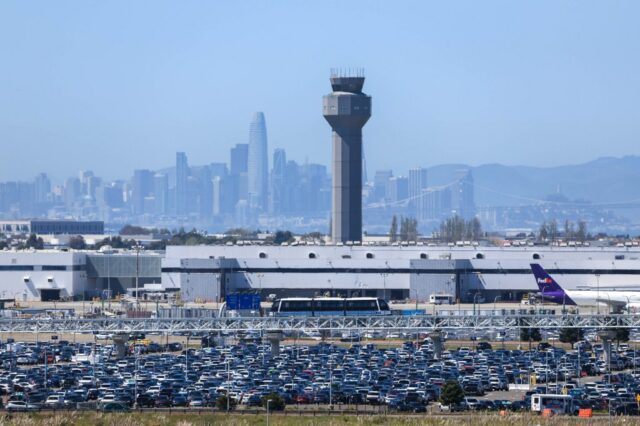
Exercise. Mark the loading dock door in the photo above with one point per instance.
(48, 295)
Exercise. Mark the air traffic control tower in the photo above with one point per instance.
(347, 110)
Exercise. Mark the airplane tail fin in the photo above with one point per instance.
(546, 284)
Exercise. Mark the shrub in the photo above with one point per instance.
(277, 402)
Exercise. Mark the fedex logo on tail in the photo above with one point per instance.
(546, 280)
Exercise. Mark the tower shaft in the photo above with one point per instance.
(347, 110)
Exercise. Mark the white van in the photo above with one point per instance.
(441, 299)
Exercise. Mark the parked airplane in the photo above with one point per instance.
(551, 290)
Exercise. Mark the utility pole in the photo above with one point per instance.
(137, 275)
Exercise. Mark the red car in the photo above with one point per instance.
(302, 399)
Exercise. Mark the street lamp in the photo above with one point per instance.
(109, 279)
(495, 300)
(475, 296)
(268, 404)
(598, 294)
(228, 382)
(138, 247)
(260, 281)
(384, 285)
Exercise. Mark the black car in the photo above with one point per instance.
(162, 401)
(180, 401)
(145, 400)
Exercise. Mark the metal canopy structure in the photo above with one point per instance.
(418, 323)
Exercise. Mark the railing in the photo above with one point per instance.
(417, 323)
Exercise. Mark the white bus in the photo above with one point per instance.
(558, 404)
(441, 299)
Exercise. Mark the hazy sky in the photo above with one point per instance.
(116, 85)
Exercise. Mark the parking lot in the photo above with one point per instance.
(400, 377)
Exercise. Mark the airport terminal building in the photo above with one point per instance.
(207, 273)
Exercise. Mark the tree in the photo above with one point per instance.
(476, 229)
(452, 393)
(457, 229)
(277, 402)
(553, 230)
(393, 232)
(134, 230)
(571, 335)
(77, 243)
(622, 335)
(34, 242)
(543, 233)
(569, 230)
(283, 237)
(581, 233)
(532, 334)
(221, 403)
(404, 236)
(413, 229)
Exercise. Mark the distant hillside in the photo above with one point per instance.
(600, 181)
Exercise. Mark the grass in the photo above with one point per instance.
(160, 419)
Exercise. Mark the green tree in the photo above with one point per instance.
(553, 230)
(457, 229)
(543, 233)
(404, 236)
(622, 334)
(571, 335)
(34, 242)
(283, 237)
(569, 230)
(412, 229)
(393, 231)
(221, 403)
(134, 230)
(581, 233)
(532, 334)
(77, 243)
(452, 393)
(277, 402)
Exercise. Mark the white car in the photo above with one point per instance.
(54, 401)
(21, 406)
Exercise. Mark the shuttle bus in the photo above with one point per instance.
(558, 404)
(329, 306)
(441, 299)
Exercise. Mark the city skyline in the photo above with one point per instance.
(484, 84)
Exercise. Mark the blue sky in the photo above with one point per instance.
(118, 85)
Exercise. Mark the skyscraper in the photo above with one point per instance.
(42, 188)
(278, 181)
(141, 187)
(347, 110)
(239, 159)
(417, 183)
(182, 174)
(258, 163)
(161, 193)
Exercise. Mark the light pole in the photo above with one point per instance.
(598, 294)
(260, 281)
(135, 377)
(137, 247)
(268, 404)
(228, 382)
(330, 383)
(384, 285)
(186, 361)
(475, 296)
(109, 279)
(494, 302)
